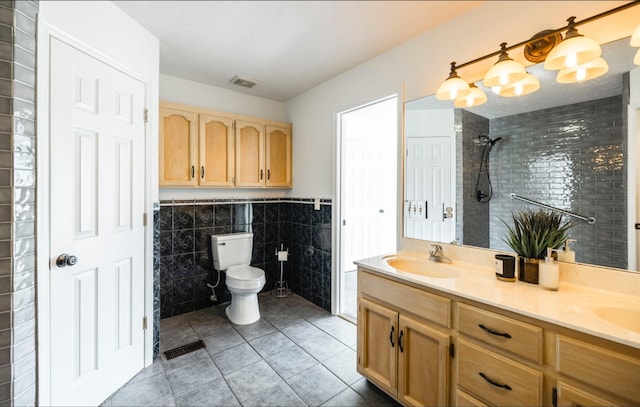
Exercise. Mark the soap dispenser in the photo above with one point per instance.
(566, 254)
(549, 271)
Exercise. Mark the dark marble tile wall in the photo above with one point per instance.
(17, 203)
(306, 233)
(571, 157)
(185, 253)
(472, 226)
(156, 281)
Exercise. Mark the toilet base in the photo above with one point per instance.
(243, 310)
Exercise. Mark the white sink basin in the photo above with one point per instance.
(421, 267)
(623, 317)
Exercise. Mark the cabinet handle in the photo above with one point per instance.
(493, 382)
(261, 175)
(268, 175)
(202, 172)
(193, 171)
(493, 332)
(400, 340)
(391, 336)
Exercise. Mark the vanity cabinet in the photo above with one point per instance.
(402, 353)
(205, 148)
(406, 338)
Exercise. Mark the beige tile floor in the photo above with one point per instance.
(296, 355)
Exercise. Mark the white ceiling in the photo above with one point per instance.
(288, 47)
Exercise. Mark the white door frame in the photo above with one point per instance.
(336, 249)
(633, 172)
(43, 259)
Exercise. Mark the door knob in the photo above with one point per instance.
(66, 260)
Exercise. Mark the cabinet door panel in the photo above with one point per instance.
(249, 154)
(377, 341)
(569, 396)
(278, 158)
(178, 148)
(216, 151)
(423, 364)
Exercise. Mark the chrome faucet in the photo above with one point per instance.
(437, 254)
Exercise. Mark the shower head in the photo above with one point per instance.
(485, 139)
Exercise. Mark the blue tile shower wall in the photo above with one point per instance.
(185, 257)
(571, 157)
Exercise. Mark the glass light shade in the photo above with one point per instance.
(504, 73)
(476, 97)
(636, 59)
(583, 72)
(635, 38)
(527, 85)
(452, 88)
(572, 52)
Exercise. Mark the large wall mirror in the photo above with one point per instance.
(564, 145)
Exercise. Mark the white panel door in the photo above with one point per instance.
(369, 181)
(97, 203)
(429, 192)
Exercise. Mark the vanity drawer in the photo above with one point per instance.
(496, 379)
(502, 332)
(610, 371)
(429, 306)
(466, 400)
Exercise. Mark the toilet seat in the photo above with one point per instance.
(245, 277)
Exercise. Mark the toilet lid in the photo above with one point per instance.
(245, 272)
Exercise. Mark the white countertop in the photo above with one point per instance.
(572, 306)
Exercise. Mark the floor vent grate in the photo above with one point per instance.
(184, 349)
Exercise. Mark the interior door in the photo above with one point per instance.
(429, 207)
(96, 218)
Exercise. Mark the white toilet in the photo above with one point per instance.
(232, 252)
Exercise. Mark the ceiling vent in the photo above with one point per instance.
(246, 83)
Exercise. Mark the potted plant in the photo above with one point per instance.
(530, 236)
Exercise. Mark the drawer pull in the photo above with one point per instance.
(391, 336)
(492, 332)
(400, 341)
(494, 383)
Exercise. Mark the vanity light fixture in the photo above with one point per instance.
(574, 50)
(476, 97)
(453, 87)
(583, 72)
(523, 87)
(505, 72)
(577, 58)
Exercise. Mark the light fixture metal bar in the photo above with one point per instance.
(552, 32)
(590, 219)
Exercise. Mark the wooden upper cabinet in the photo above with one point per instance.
(250, 171)
(278, 156)
(178, 147)
(206, 148)
(216, 151)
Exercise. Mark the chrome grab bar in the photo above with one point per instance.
(591, 220)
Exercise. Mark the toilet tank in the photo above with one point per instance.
(231, 249)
